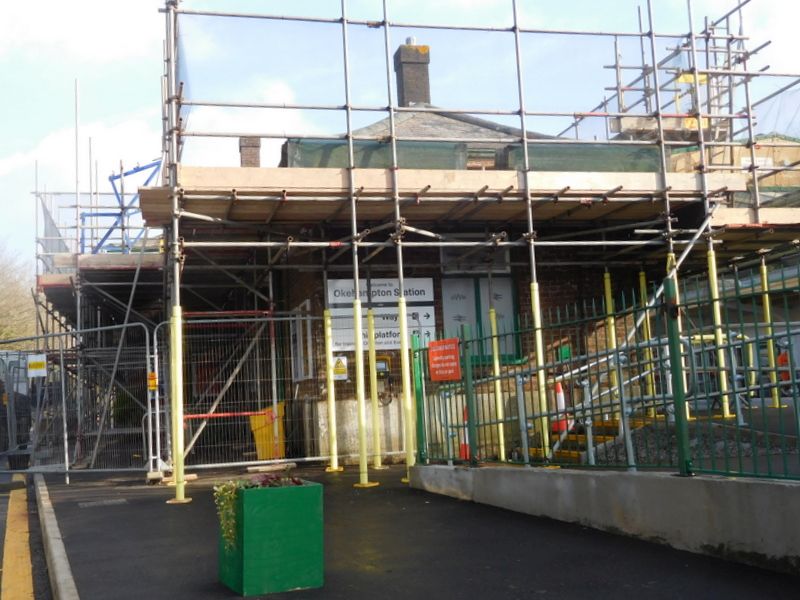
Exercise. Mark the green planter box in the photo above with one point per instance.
(278, 541)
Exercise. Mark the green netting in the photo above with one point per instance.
(373, 154)
(446, 155)
(772, 197)
(584, 157)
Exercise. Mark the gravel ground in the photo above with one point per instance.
(657, 445)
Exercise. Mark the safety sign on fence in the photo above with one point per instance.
(340, 368)
(443, 360)
(37, 365)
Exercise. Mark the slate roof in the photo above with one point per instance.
(447, 125)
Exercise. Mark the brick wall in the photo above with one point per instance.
(569, 294)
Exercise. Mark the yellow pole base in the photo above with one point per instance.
(181, 501)
(380, 468)
(404, 480)
(334, 469)
(550, 467)
(369, 484)
(170, 480)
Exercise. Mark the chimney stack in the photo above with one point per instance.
(411, 66)
(250, 151)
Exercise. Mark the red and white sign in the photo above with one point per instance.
(444, 362)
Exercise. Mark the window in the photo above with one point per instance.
(467, 300)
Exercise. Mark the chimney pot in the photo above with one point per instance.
(250, 151)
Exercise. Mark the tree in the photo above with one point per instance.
(17, 311)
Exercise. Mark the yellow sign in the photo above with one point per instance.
(37, 365)
(152, 381)
(340, 368)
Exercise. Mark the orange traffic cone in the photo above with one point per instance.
(561, 422)
(463, 448)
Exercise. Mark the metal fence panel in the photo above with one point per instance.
(85, 408)
(250, 389)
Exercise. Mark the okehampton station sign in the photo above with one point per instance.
(381, 294)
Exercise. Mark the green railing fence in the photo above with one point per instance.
(698, 380)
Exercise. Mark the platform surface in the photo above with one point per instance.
(387, 542)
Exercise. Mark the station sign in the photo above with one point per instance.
(382, 295)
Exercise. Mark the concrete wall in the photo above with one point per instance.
(748, 520)
(389, 416)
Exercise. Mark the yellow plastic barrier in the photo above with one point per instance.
(267, 447)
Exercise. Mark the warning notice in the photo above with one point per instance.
(152, 381)
(340, 368)
(37, 365)
(443, 360)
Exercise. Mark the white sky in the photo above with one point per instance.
(114, 48)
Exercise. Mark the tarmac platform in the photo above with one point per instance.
(123, 541)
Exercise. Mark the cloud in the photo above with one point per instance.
(775, 20)
(197, 40)
(764, 20)
(96, 31)
(132, 139)
(224, 152)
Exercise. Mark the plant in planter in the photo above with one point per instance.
(270, 534)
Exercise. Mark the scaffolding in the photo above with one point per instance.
(707, 68)
(679, 166)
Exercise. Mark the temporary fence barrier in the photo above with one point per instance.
(256, 390)
(237, 381)
(77, 400)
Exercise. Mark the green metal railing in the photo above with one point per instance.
(671, 385)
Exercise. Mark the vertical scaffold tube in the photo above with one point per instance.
(541, 376)
(771, 360)
(672, 273)
(611, 337)
(402, 317)
(330, 384)
(363, 475)
(650, 381)
(357, 324)
(677, 375)
(373, 391)
(176, 320)
(409, 415)
(530, 236)
(61, 375)
(498, 389)
(722, 370)
(176, 402)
